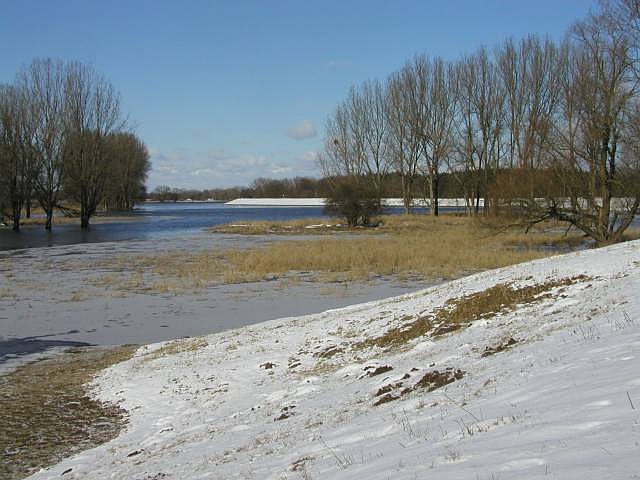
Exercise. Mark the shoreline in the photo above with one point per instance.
(137, 314)
(300, 385)
(86, 302)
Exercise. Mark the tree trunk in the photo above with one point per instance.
(84, 216)
(17, 209)
(406, 196)
(436, 195)
(49, 221)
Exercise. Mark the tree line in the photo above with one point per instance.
(539, 128)
(297, 187)
(63, 137)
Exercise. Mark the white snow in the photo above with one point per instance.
(319, 202)
(562, 403)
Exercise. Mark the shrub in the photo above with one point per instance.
(354, 201)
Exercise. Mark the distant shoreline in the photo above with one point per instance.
(309, 202)
(319, 202)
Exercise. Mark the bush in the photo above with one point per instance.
(354, 201)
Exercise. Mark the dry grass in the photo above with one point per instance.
(176, 347)
(458, 313)
(6, 293)
(413, 245)
(70, 220)
(47, 415)
(403, 246)
(289, 227)
(57, 220)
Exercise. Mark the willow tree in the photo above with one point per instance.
(354, 156)
(596, 158)
(478, 126)
(432, 111)
(92, 115)
(43, 85)
(16, 156)
(128, 161)
(402, 143)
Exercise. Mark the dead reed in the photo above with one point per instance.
(46, 413)
(405, 246)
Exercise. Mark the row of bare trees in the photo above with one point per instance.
(545, 129)
(63, 136)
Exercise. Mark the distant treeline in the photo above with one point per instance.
(298, 187)
(451, 185)
(63, 137)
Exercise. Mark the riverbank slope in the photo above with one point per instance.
(523, 372)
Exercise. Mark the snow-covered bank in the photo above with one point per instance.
(295, 398)
(319, 202)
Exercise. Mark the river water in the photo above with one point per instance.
(52, 293)
(153, 221)
(150, 221)
(52, 297)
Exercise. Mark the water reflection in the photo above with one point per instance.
(160, 220)
(149, 221)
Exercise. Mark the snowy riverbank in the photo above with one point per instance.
(550, 389)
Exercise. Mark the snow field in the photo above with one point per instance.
(294, 398)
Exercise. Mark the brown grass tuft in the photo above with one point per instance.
(458, 313)
(307, 226)
(176, 347)
(435, 379)
(415, 246)
(46, 413)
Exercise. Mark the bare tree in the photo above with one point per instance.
(623, 16)
(353, 158)
(403, 147)
(366, 124)
(596, 135)
(531, 75)
(478, 126)
(339, 157)
(370, 113)
(432, 107)
(129, 165)
(16, 156)
(42, 84)
(92, 113)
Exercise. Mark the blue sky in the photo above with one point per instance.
(225, 92)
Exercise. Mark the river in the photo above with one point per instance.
(149, 221)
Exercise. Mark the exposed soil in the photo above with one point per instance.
(436, 379)
(500, 347)
(329, 352)
(430, 381)
(372, 370)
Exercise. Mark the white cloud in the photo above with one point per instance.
(217, 168)
(308, 157)
(302, 130)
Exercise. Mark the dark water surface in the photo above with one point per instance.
(150, 221)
